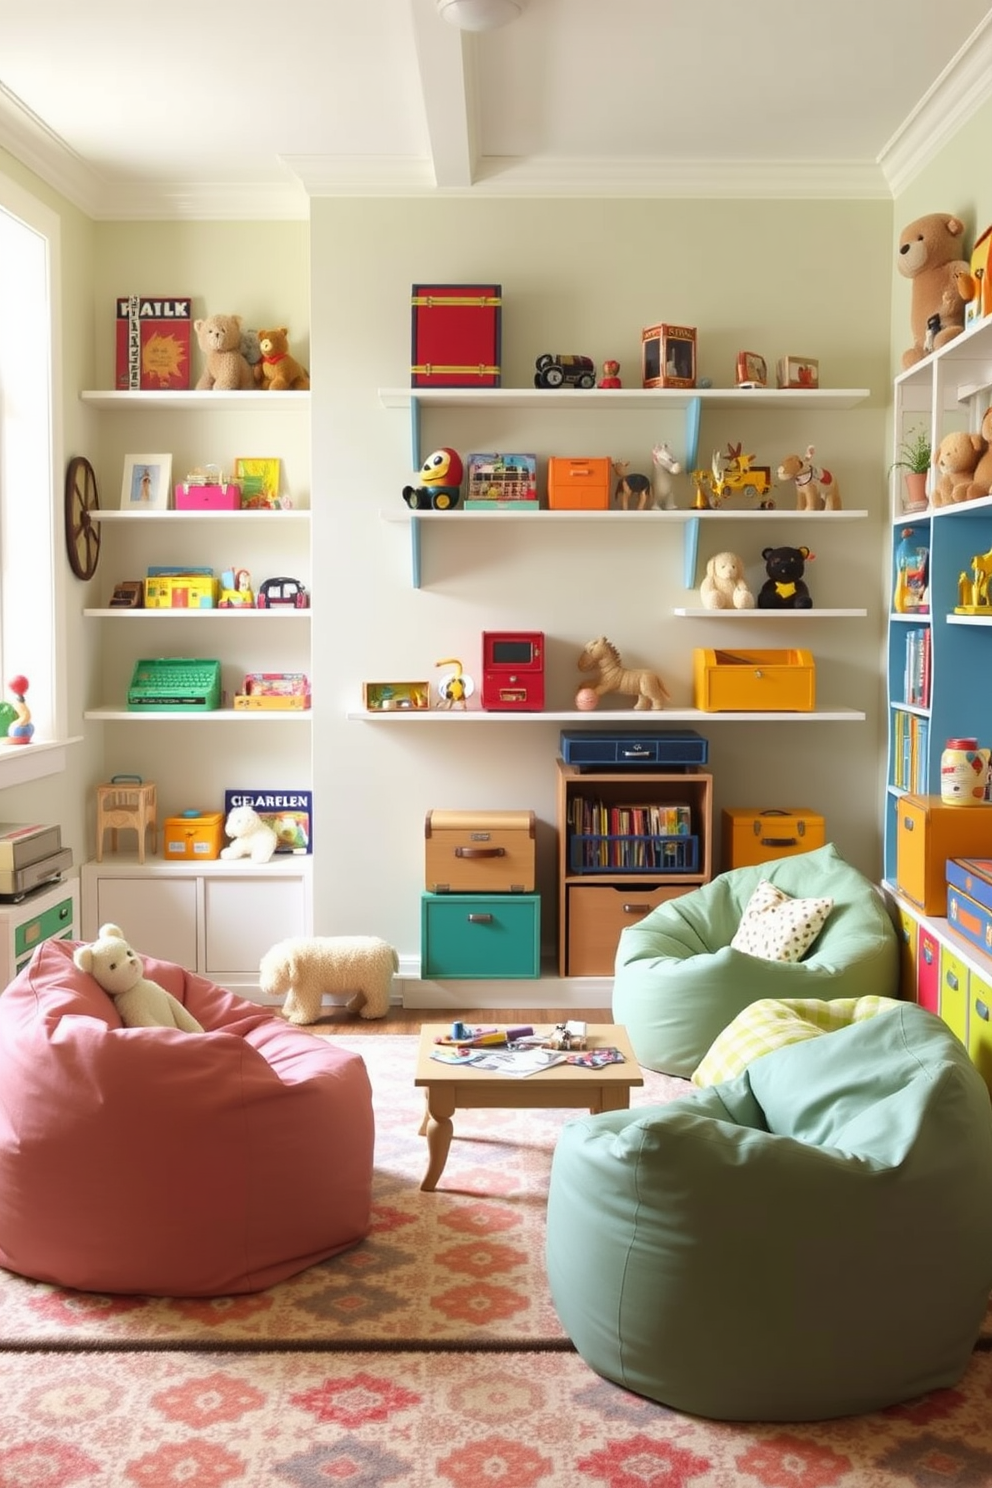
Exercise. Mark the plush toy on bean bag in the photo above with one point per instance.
(227, 369)
(958, 456)
(930, 255)
(277, 370)
(785, 587)
(110, 961)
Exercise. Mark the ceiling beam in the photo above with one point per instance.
(445, 59)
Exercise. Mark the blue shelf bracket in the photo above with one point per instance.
(415, 550)
(415, 460)
(692, 412)
(690, 551)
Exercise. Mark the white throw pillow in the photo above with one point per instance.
(777, 927)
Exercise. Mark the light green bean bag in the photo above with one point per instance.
(679, 982)
(810, 1239)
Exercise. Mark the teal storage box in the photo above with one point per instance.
(484, 936)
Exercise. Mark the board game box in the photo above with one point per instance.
(288, 812)
(153, 343)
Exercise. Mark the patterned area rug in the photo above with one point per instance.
(462, 1267)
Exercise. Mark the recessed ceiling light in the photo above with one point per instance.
(479, 15)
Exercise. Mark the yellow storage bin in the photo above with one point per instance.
(200, 836)
(754, 681)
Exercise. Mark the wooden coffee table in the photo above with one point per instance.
(450, 1086)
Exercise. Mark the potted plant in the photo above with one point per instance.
(914, 457)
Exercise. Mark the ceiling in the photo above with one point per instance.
(246, 108)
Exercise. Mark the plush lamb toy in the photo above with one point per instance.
(219, 338)
(251, 836)
(357, 967)
(930, 255)
(111, 962)
(724, 586)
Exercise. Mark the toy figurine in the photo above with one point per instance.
(236, 591)
(564, 371)
(665, 466)
(611, 375)
(601, 655)
(816, 489)
(22, 729)
(440, 483)
(454, 691)
(635, 488)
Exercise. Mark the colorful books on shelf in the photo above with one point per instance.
(916, 683)
(911, 743)
(153, 343)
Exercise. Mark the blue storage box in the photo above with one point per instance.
(590, 749)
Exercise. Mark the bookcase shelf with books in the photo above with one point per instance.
(195, 757)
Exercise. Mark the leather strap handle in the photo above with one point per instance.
(480, 852)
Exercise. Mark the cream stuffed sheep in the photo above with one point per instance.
(111, 962)
(724, 586)
(357, 967)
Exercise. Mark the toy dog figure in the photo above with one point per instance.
(636, 488)
(816, 489)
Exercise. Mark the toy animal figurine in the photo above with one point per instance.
(21, 730)
(454, 691)
(647, 687)
(630, 488)
(785, 587)
(816, 488)
(665, 466)
(440, 483)
(611, 375)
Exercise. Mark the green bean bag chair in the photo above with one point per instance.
(810, 1239)
(679, 981)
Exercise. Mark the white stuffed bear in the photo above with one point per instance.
(725, 587)
(251, 836)
(121, 973)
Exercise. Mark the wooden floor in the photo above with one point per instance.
(408, 1020)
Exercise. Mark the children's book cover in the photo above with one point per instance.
(288, 812)
(153, 343)
(259, 482)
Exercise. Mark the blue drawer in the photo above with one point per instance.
(480, 936)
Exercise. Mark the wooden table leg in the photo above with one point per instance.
(609, 1098)
(438, 1128)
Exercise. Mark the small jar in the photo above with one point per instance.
(964, 773)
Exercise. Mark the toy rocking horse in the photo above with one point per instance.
(646, 686)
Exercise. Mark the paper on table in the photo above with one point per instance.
(502, 1061)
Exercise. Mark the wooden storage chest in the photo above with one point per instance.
(750, 837)
(487, 852)
(754, 681)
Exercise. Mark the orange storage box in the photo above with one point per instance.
(579, 485)
(200, 836)
(480, 852)
(750, 837)
(928, 832)
(754, 681)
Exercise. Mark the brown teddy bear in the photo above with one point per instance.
(957, 457)
(929, 255)
(219, 337)
(981, 480)
(278, 371)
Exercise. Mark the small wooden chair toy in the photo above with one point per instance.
(127, 801)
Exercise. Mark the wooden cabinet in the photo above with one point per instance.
(938, 659)
(48, 915)
(612, 876)
(216, 918)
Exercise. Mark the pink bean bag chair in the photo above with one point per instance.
(148, 1160)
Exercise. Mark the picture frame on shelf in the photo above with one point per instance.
(147, 483)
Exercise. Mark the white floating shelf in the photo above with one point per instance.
(282, 614)
(772, 614)
(643, 399)
(215, 715)
(625, 716)
(194, 399)
(283, 514)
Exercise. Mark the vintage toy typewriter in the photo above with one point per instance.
(175, 684)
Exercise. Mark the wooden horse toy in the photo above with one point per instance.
(646, 686)
(665, 466)
(816, 489)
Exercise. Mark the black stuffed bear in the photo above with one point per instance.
(785, 589)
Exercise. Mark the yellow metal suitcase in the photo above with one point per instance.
(750, 837)
(469, 852)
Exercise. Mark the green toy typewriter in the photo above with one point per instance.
(175, 684)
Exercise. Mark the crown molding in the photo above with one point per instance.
(960, 90)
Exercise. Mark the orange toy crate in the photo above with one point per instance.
(578, 485)
(750, 837)
(928, 832)
(754, 681)
(200, 836)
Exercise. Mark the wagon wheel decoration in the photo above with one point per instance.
(82, 534)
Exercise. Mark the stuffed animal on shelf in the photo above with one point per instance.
(981, 481)
(251, 836)
(958, 458)
(219, 338)
(724, 586)
(277, 371)
(816, 488)
(785, 588)
(930, 255)
(357, 967)
(603, 657)
(110, 961)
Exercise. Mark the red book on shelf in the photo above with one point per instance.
(153, 343)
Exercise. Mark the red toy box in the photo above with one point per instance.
(208, 497)
(456, 335)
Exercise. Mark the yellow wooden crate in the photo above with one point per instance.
(754, 681)
(200, 836)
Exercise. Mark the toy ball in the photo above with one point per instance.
(586, 699)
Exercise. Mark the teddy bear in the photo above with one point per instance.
(219, 338)
(277, 370)
(930, 255)
(251, 836)
(110, 961)
(981, 480)
(957, 460)
(724, 586)
(785, 587)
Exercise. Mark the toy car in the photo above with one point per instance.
(564, 371)
(278, 593)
